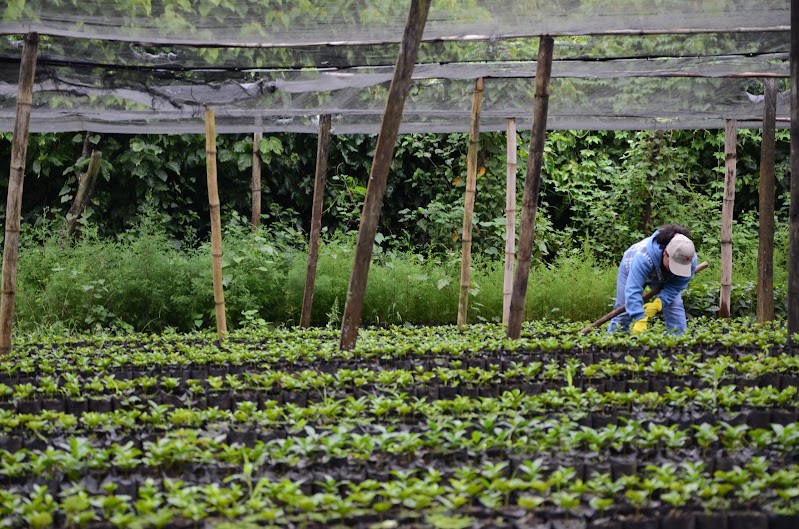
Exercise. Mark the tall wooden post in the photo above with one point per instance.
(765, 253)
(216, 223)
(532, 185)
(727, 207)
(510, 219)
(16, 177)
(468, 208)
(322, 149)
(793, 214)
(256, 180)
(381, 163)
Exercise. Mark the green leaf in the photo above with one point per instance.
(455, 521)
(530, 502)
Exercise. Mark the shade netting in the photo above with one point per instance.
(154, 66)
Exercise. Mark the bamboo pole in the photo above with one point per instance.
(727, 207)
(381, 163)
(765, 253)
(256, 180)
(83, 194)
(793, 213)
(468, 208)
(322, 149)
(510, 219)
(16, 178)
(532, 185)
(216, 223)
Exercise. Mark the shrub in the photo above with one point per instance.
(145, 281)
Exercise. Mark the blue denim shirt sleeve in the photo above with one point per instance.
(640, 268)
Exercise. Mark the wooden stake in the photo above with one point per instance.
(84, 193)
(532, 184)
(16, 177)
(86, 145)
(765, 253)
(510, 219)
(322, 149)
(216, 223)
(381, 163)
(256, 180)
(468, 208)
(727, 206)
(793, 213)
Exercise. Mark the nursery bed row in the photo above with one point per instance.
(156, 449)
(211, 360)
(755, 427)
(530, 490)
(29, 400)
(479, 346)
(755, 406)
(688, 371)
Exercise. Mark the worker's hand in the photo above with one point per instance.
(652, 308)
(640, 325)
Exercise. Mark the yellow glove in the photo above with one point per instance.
(652, 308)
(640, 325)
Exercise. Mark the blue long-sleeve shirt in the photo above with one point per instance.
(643, 262)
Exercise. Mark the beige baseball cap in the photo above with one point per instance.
(681, 252)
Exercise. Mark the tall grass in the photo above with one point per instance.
(143, 281)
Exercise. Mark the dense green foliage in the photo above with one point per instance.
(432, 426)
(142, 281)
(609, 188)
(142, 260)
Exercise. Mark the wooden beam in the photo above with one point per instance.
(381, 163)
(16, 177)
(256, 180)
(727, 207)
(468, 207)
(793, 214)
(510, 219)
(765, 253)
(322, 149)
(532, 185)
(216, 223)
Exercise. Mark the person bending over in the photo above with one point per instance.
(665, 259)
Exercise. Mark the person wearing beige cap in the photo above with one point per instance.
(666, 259)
